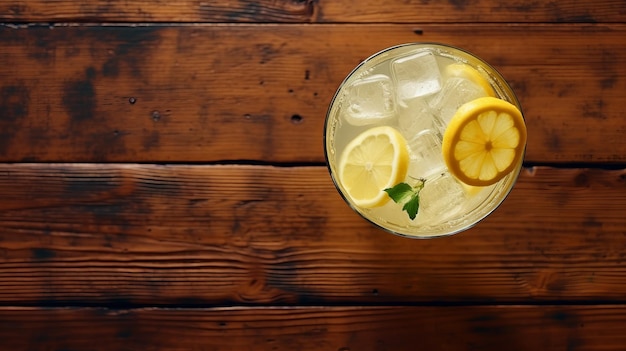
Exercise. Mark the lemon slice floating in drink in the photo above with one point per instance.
(375, 160)
(468, 72)
(484, 141)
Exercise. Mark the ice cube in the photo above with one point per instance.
(454, 93)
(416, 75)
(425, 154)
(441, 199)
(370, 100)
(414, 118)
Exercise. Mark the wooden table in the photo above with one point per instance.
(163, 184)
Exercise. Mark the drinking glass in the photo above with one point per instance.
(409, 87)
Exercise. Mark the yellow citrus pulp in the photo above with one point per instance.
(375, 160)
(465, 71)
(484, 141)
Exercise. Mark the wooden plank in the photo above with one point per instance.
(546, 328)
(291, 11)
(152, 235)
(206, 94)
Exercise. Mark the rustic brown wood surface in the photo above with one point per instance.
(163, 185)
(206, 93)
(99, 234)
(519, 328)
(320, 11)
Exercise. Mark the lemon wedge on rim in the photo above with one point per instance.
(484, 141)
(375, 160)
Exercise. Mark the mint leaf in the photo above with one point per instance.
(412, 206)
(408, 196)
(400, 192)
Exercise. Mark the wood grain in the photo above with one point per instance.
(546, 328)
(162, 183)
(92, 234)
(207, 94)
(320, 11)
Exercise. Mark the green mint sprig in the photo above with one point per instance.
(408, 196)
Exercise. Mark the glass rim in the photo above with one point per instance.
(513, 176)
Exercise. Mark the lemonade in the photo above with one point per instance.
(424, 139)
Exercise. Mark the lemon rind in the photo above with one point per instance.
(466, 114)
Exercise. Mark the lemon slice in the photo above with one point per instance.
(484, 141)
(373, 161)
(468, 72)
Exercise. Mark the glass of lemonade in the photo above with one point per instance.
(424, 139)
